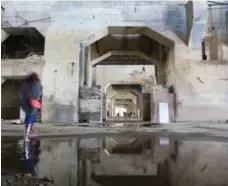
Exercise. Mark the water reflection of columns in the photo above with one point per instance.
(79, 167)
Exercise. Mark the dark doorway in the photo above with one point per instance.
(146, 107)
(10, 99)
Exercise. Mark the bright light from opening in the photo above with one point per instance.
(120, 110)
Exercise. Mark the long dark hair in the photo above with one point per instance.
(32, 77)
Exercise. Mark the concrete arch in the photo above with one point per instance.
(108, 86)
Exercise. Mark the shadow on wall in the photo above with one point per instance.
(175, 20)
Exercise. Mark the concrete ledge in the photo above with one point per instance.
(13, 68)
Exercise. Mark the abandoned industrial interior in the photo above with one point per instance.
(117, 61)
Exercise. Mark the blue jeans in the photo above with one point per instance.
(30, 118)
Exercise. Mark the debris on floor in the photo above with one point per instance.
(25, 180)
(16, 121)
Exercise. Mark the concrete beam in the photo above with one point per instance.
(125, 30)
(19, 68)
(101, 58)
(4, 35)
(143, 31)
(158, 37)
(124, 53)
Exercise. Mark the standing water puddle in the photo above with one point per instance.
(115, 160)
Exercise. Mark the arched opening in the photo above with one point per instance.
(123, 102)
(128, 56)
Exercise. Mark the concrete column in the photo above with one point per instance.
(93, 71)
(81, 64)
(60, 76)
(141, 106)
(103, 105)
(213, 48)
(88, 74)
(160, 69)
(134, 109)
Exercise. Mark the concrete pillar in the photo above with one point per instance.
(141, 106)
(88, 71)
(61, 76)
(103, 105)
(113, 107)
(160, 68)
(81, 64)
(93, 71)
(134, 109)
(213, 48)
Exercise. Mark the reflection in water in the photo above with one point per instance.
(118, 160)
(31, 148)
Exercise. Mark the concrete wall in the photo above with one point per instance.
(93, 15)
(60, 92)
(122, 74)
(202, 90)
(17, 68)
(161, 94)
(200, 163)
(66, 24)
(89, 104)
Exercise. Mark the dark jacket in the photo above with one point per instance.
(35, 90)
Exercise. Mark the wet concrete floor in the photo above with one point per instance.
(115, 160)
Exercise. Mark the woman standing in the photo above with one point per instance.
(30, 101)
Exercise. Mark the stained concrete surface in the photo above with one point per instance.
(121, 160)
